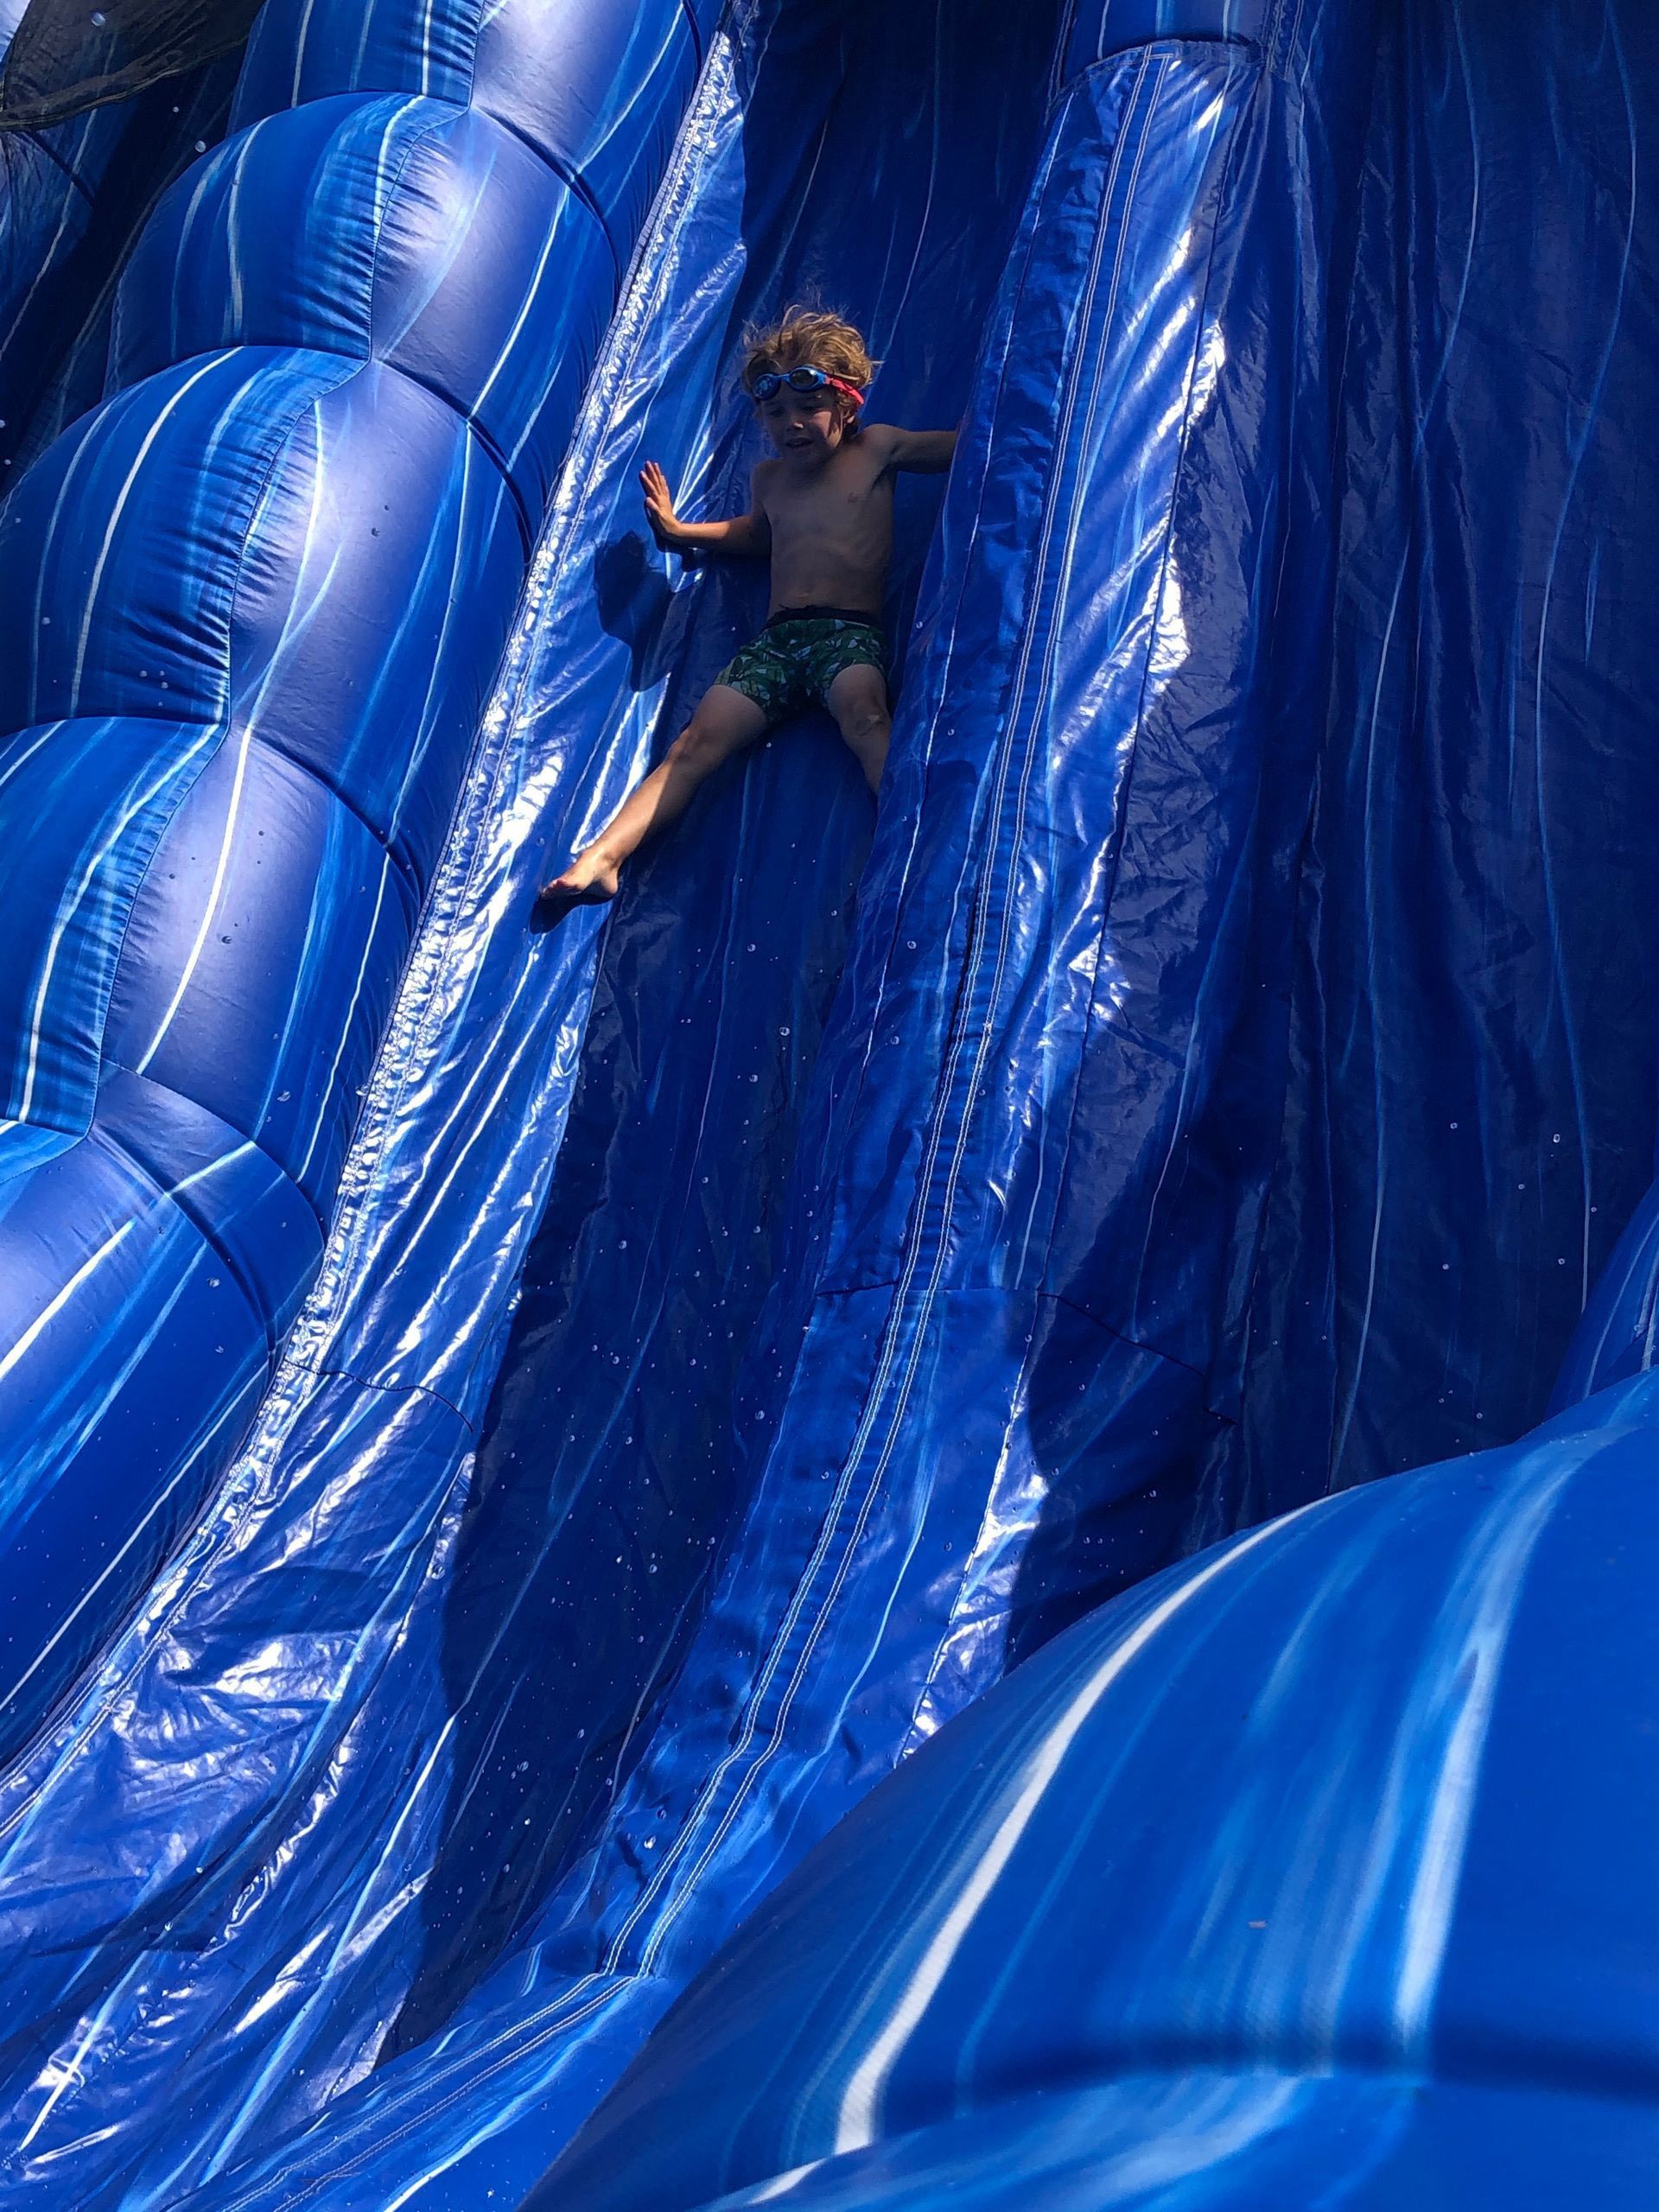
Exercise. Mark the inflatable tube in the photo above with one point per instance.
(1262, 1887)
(251, 608)
(951, 1300)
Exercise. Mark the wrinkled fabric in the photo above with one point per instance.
(251, 609)
(1476, 983)
(1261, 1887)
(73, 195)
(64, 58)
(751, 1320)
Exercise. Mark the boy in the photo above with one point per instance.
(822, 511)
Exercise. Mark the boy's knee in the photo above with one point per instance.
(866, 720)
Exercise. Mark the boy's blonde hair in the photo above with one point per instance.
(807, 336)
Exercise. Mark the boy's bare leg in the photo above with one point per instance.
(858, 700)
(726, 721)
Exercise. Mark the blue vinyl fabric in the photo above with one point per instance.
(252, 605)
(1216, 1903)
(1474, 1001)
(750, 1322)
(893, 1356)
(1616, 1337)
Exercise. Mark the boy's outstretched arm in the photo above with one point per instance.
(741, 535)
(924, 452)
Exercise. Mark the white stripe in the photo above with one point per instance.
(42, 1319)
(67, 914)
(1446, 1833)
(300, 37)
(783, 2184)
(232, 219)
(208, 912)
(150, 436)
(531, 294)
(346, 1025)
(47, 732)
(861, 2101)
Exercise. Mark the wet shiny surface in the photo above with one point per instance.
(251, 608)
(751, 1321)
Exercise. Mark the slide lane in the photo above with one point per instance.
(1471, 1111)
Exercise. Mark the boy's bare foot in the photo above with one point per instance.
(589, 880)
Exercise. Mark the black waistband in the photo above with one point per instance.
(821, 614)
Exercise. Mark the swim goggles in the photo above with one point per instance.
(805, 379)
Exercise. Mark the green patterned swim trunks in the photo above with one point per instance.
(798, 655)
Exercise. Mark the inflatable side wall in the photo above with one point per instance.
(722, 1370)
(252, 607)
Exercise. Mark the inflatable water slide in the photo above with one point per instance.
(959, 1508)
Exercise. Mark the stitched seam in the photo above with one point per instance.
(417, 139)
(396, 1389)
(247, 1136)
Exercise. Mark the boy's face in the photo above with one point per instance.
(805, 427)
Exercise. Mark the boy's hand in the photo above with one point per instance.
(659, 506)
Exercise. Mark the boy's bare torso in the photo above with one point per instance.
(831, 531)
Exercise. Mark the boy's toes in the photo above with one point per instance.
(580, 885)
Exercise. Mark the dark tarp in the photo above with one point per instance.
(65, 58)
